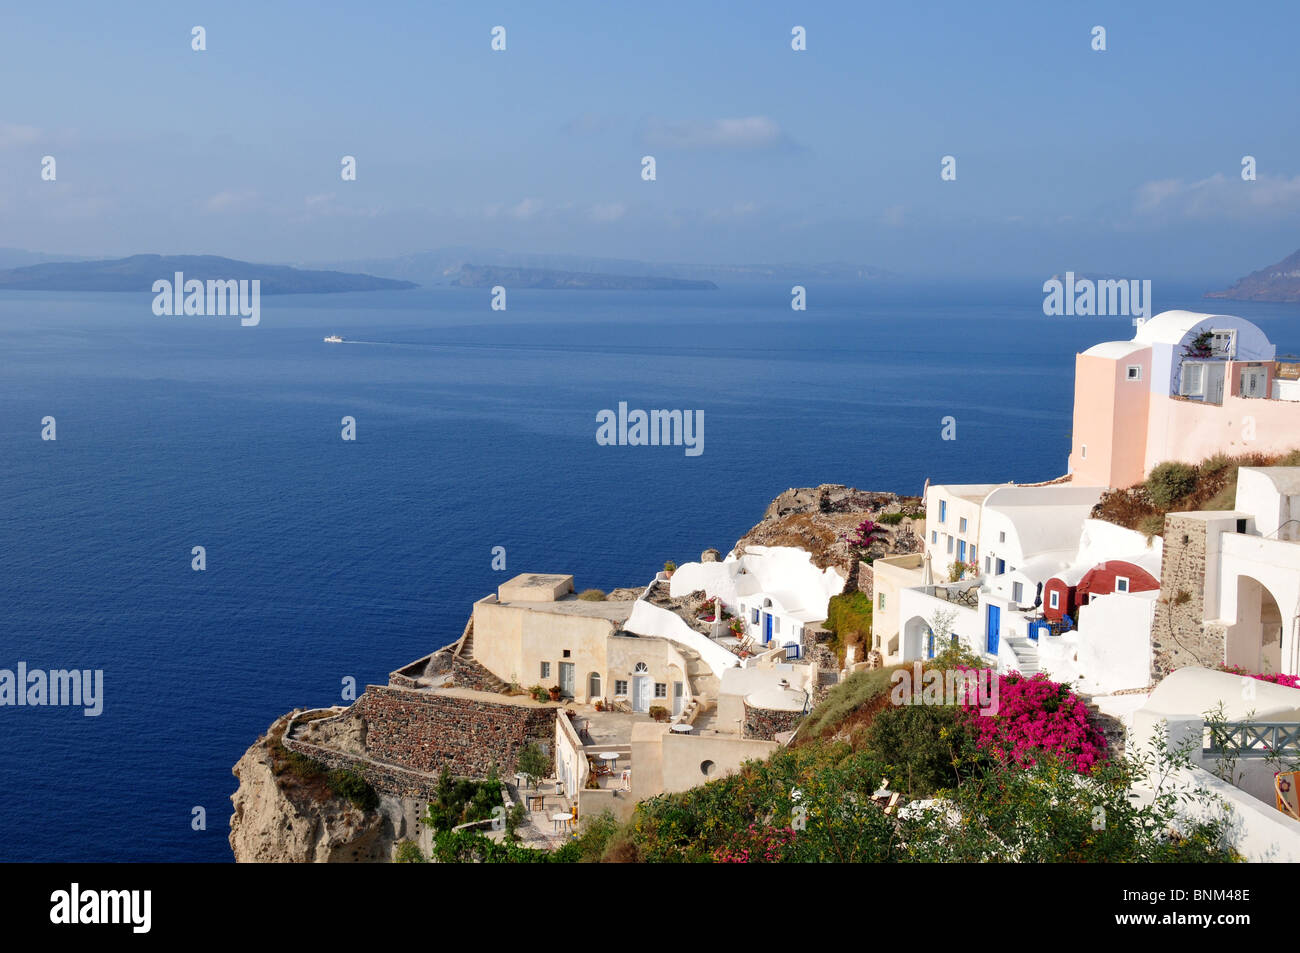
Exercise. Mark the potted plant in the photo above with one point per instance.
(556, 693)
(658, 712)
(670, 567)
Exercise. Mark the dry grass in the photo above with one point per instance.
(1215, 489)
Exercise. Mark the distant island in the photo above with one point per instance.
(1280, 282)
(486, 276)
(139, 272)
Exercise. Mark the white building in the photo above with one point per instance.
(776, 590)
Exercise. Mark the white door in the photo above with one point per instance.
(567, 681)
(677, 699)
(641, 693)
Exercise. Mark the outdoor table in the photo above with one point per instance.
(560, 818)
(681, 728)
(609, 757)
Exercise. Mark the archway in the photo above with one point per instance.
(1254, 640)
(916, 637)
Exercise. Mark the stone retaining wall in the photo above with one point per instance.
(411, 735)
(766, 723)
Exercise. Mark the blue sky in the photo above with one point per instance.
(1121, 162)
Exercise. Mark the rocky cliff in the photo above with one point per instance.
(283, 818)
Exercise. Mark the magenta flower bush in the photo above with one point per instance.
(1277, 678)
(1037, 716)
(758, 845)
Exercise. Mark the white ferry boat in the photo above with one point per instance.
(333, 339)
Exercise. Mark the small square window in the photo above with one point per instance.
(566, 653)
(620, 686)
(661, 690)
(1083, 451)
(1002, 537)
(1133, 372)
(1121, 583)
(1054, 599)
(546, 670)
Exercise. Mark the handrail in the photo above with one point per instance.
(1253, 739)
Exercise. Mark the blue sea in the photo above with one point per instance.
(329, 560)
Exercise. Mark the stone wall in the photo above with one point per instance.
(766, 723)
(1179, 636)
(411, 735)
(866, 580)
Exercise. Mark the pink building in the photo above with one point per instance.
(1187, 386)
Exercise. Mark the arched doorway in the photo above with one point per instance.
(1254, 641)
(593, 686)
(916, 639)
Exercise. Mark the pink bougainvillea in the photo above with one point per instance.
(1277, 678)
(1035, 716)
(758, 845)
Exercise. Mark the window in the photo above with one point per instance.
(641, 668)
(1002, 537)
(1133, 372)
(961, 525)
(1083, 451)
(1002, 566)
(882, 600)
(661, 690)
(776, 623)
(973, 560)
(1018, 592)
(1054, 599)
(546, 670)
(961, 550)
(1193, 380)
(934, 536)
(988, 565)
(949, 538)
(754, 617)
(1121, 583)
(620, 686)
(943, 511)
(1223, 343)
(566, 653)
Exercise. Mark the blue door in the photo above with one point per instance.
(961, 550)
(767, 627)
(995, 623)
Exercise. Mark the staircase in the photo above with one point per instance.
(466, 649)
(1026, 654)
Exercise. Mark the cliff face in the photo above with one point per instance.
(818, 519)
(277, 820)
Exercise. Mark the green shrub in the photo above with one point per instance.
(922, 747)
(849, 614)
(1152, 525)
(1169, 482)
(408, 852)
(592, 595)
(890, 519)
(353, 786)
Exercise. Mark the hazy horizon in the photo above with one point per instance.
(1125, 161)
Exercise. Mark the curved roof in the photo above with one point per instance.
(1115, 349)
(1170, 327)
